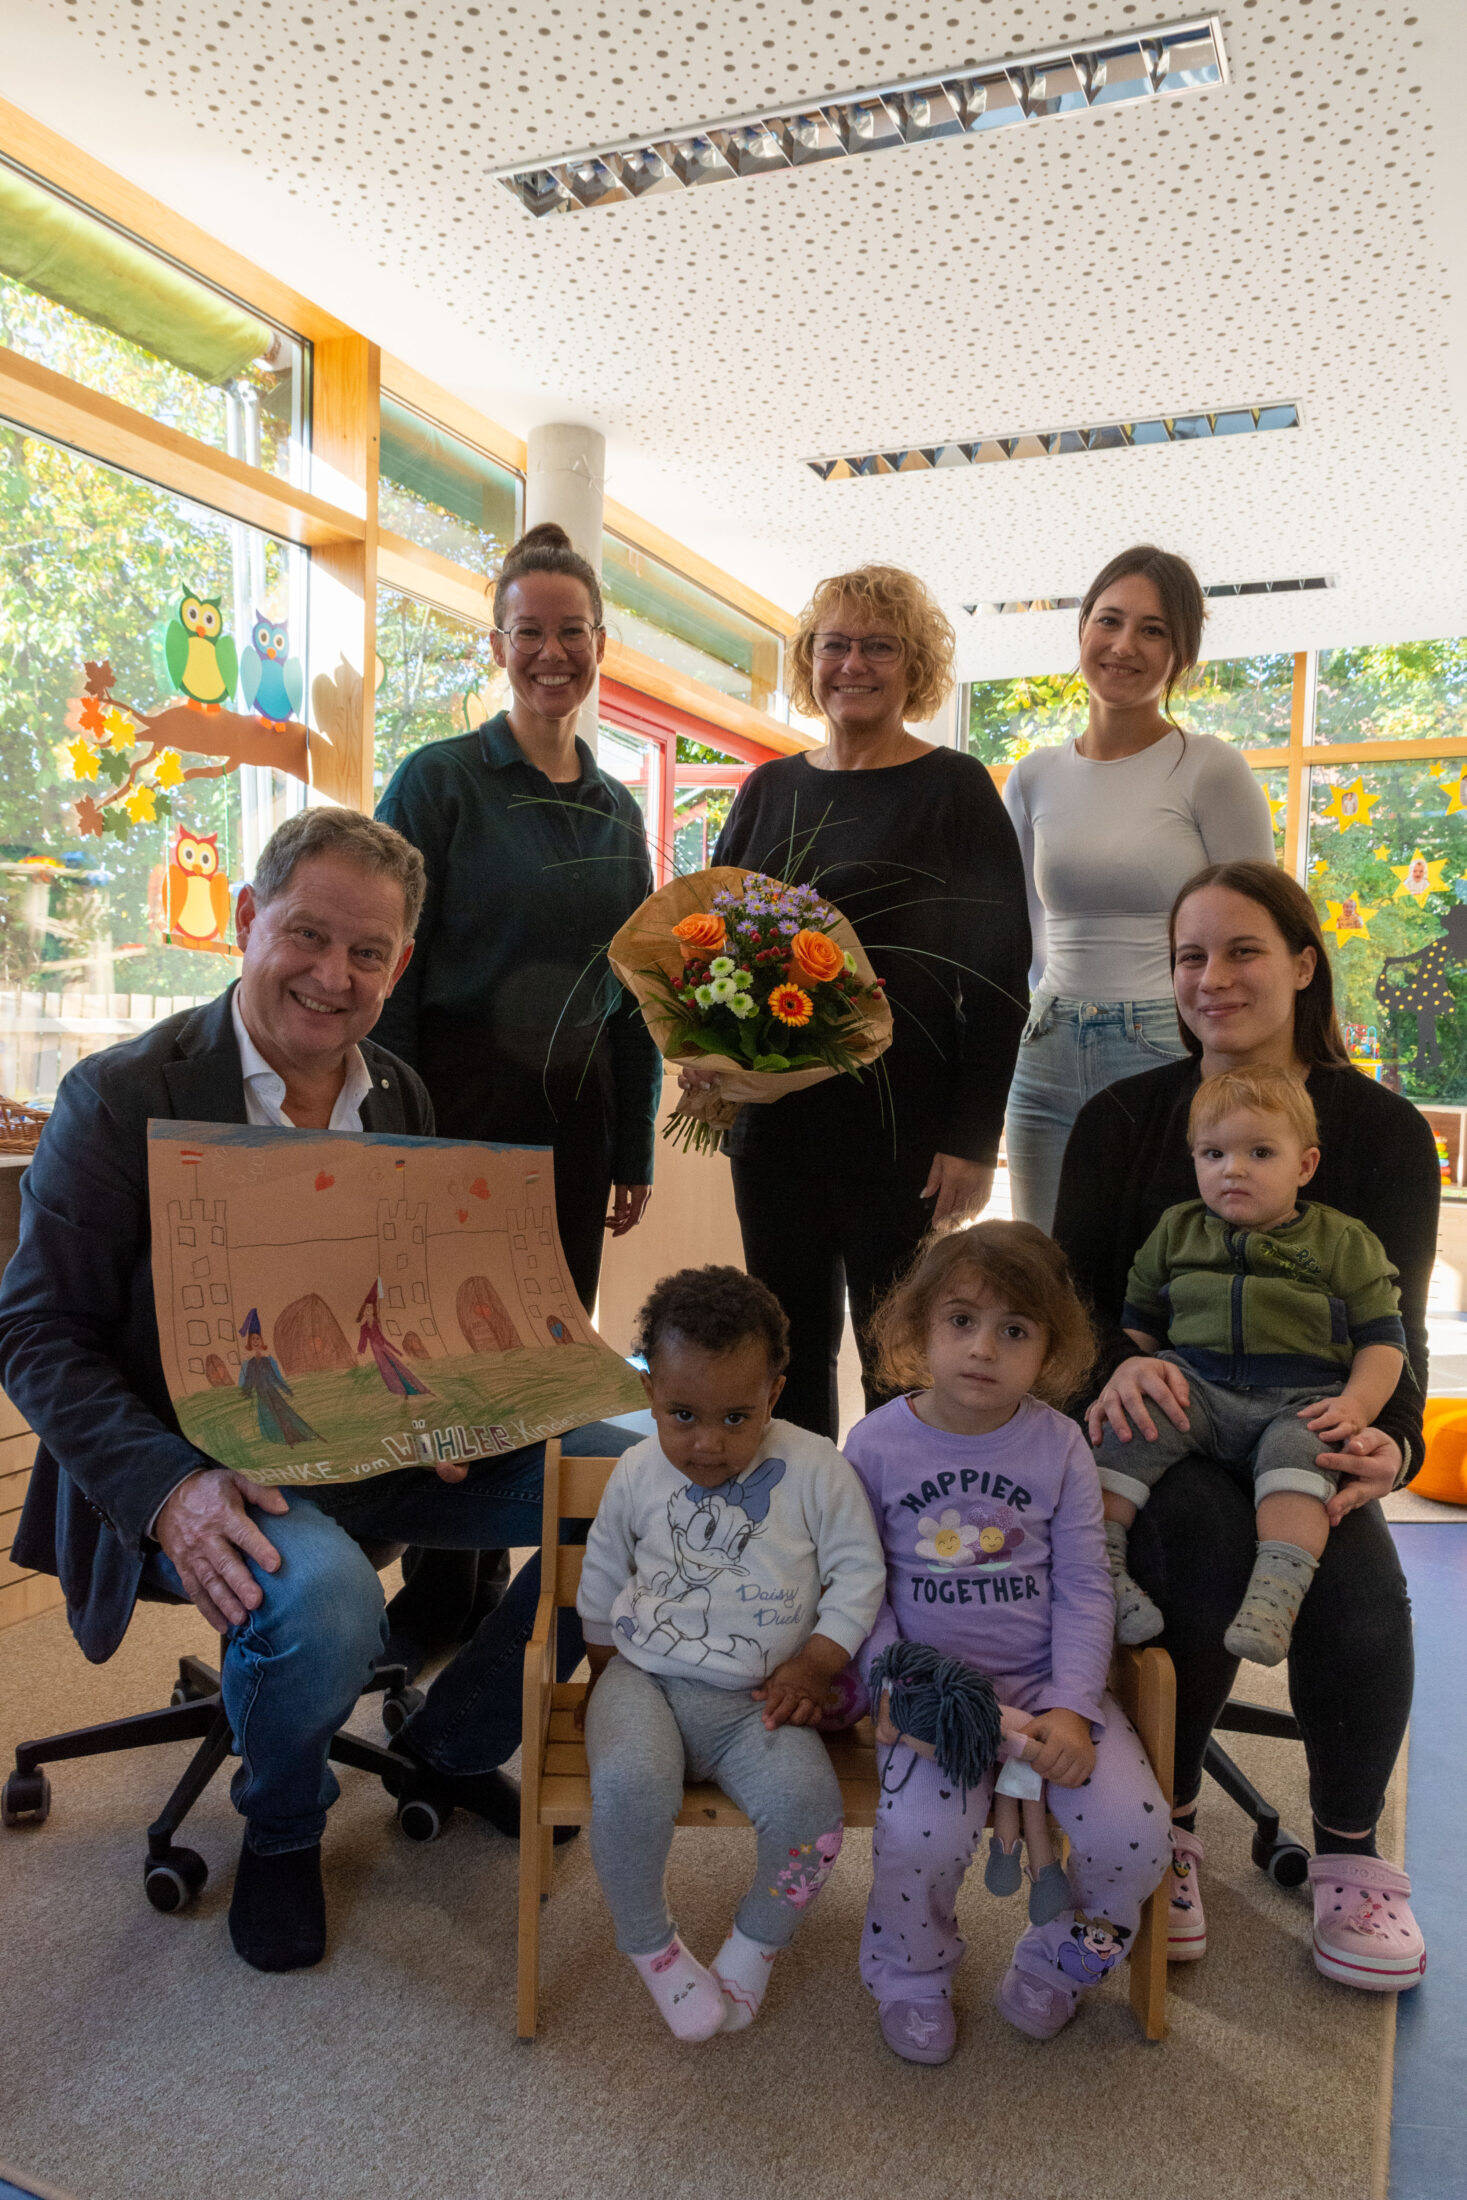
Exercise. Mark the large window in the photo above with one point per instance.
(436, 676)
(94, 570)
(1246, 700)
(80, 297)
(1415, 692)
(651, 608)
(441, 493)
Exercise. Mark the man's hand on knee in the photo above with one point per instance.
(205, 1528)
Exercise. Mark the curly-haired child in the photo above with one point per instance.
(989, 1506)
(731, 1573)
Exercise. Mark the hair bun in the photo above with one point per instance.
(549, 535)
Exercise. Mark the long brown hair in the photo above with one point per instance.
(1318, 1039)
(1021, 1267)
(1183, 606)
(547, 549)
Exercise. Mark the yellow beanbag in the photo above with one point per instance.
(1444, 1471)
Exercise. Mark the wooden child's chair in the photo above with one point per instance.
(555, 1784)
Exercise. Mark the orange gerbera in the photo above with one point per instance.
(816, 957)
(701, 935)
(791, 1005)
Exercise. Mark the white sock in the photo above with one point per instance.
(742, 1968)
(688, 1996)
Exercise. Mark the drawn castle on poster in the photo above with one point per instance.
(497, 1287)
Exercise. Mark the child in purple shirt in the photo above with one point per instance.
(988, 1503)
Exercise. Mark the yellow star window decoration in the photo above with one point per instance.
(83, 758)
(1350, 805)
(140, 806)
(1275, 807)
(170, 769)
(1423, 875)
(1456, 798)
(1348, 920)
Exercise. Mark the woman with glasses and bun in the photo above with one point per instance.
(508, 1010)
(1111, 823)
(837, 1186)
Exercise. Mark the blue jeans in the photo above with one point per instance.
(1070, 1051)
(294, 1668)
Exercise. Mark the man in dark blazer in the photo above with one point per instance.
(119, 1496)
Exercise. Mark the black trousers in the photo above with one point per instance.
(445, 1594)
(1351, 1667)
(816, 1234)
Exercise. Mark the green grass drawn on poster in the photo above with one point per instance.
(529, 1393)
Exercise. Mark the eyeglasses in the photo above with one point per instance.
(877, 649)
(526, 637)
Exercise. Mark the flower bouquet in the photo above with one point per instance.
(762, 983)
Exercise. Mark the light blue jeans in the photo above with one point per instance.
(294, 1668)
(1070, 1051)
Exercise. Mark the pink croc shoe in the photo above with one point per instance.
(1364, 1932)
(1186, 1927)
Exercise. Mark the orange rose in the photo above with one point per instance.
(816, 958)
(701, 935)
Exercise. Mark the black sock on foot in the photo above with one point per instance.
(277, 1913)
(1343, 1844)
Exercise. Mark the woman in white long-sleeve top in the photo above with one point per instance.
(1111, 825)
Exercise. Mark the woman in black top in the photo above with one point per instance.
(1253, 985)
(508, 1010)
(836, 1186)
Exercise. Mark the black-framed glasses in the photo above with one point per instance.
(577, 637)
(877, 649)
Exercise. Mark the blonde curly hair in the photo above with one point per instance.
(901, 603)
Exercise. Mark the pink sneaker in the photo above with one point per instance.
(1364, 1932)
(1033, 2005)
(1186, 1927)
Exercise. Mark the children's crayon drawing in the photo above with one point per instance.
(333, 1304)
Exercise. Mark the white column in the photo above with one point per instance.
(565, 480)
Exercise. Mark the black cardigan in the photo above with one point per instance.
(1127, 1162)
(922, 859)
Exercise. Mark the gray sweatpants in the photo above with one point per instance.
(645, 1735)
(1261, 1427)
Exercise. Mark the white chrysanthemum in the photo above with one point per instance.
(703, 995)
(722, 989)
(721, 967)
(743, 1004)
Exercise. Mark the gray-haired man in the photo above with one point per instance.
(119, 1494)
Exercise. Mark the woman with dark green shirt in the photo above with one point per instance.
(508, 1010)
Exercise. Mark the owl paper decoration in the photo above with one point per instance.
(271, 680)
(202, 661)
(196, 895)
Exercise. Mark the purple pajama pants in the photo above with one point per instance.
(1119, 1830)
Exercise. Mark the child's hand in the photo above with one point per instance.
(795, 1692)
(1334, 1420)
(1066, 1754)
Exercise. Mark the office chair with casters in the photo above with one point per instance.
(1276, 1851)
(173, 1875)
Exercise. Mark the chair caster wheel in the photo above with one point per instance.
(25, 1798)
(1286, 1861)
(170, 1882)
(422, 1820)
(399, 1707)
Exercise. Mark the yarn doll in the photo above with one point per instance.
(943, 1708)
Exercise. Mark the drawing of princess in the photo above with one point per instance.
(393, 1369)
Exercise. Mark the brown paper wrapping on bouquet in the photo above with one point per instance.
(646, 943)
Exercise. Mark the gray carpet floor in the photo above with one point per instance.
(142, 2061)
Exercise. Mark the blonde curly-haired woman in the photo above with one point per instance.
(837, 1186)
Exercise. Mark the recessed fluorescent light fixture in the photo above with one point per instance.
(1221, 588)
(1058, 442)
(1070, 80)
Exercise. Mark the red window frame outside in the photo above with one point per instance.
(660, 724)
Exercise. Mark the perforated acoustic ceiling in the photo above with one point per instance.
(1278, 236)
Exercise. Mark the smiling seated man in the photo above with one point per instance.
(119, 1495)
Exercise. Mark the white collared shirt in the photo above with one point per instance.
(264, 1088)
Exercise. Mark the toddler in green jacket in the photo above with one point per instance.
(1285, 1318)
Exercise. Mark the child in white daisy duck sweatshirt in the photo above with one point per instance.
(733, 1570)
